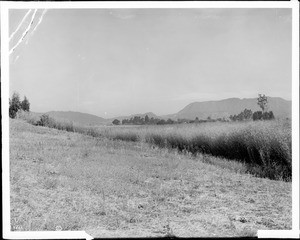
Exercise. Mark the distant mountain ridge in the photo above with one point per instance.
(225, 108)
(214, 109)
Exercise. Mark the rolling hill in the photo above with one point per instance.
(78, 117)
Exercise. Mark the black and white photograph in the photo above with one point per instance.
(150, 121)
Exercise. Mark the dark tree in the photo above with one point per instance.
(169, 121)
(147, 119)
(14, 105)
(262, 101)
(161, 122)
(247, 114)
(268, 115)
(25, 105)
(271, 115)
(116, 122)
(257, 115)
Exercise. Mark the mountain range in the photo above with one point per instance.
(224, 108)
(215, 109)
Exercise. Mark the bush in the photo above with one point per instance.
(45, 121)
(259, 115)
(28, 117)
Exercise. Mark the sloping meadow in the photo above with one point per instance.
(265, 147)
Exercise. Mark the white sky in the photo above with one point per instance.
(114, 62)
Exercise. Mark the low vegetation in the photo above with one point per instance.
(264, 146)
(245, 115)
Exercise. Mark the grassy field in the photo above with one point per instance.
(113, 188)
(265, 147)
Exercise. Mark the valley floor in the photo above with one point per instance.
(111, 188)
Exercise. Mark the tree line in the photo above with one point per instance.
(137, 120)
(245, 115)
(15, 104)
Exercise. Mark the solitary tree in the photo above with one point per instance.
(25, 105)
(262, 101)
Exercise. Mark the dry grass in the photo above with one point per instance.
(263, 146)
(126, 189)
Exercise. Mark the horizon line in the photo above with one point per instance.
(160, 115)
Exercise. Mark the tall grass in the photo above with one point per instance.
(265, 146)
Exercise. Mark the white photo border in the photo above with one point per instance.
(5, 6)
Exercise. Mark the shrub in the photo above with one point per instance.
(27, 116)
(259, 115)
(45, 121)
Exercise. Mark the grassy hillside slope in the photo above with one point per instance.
(125, 189)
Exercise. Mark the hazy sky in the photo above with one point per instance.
(125, 61)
